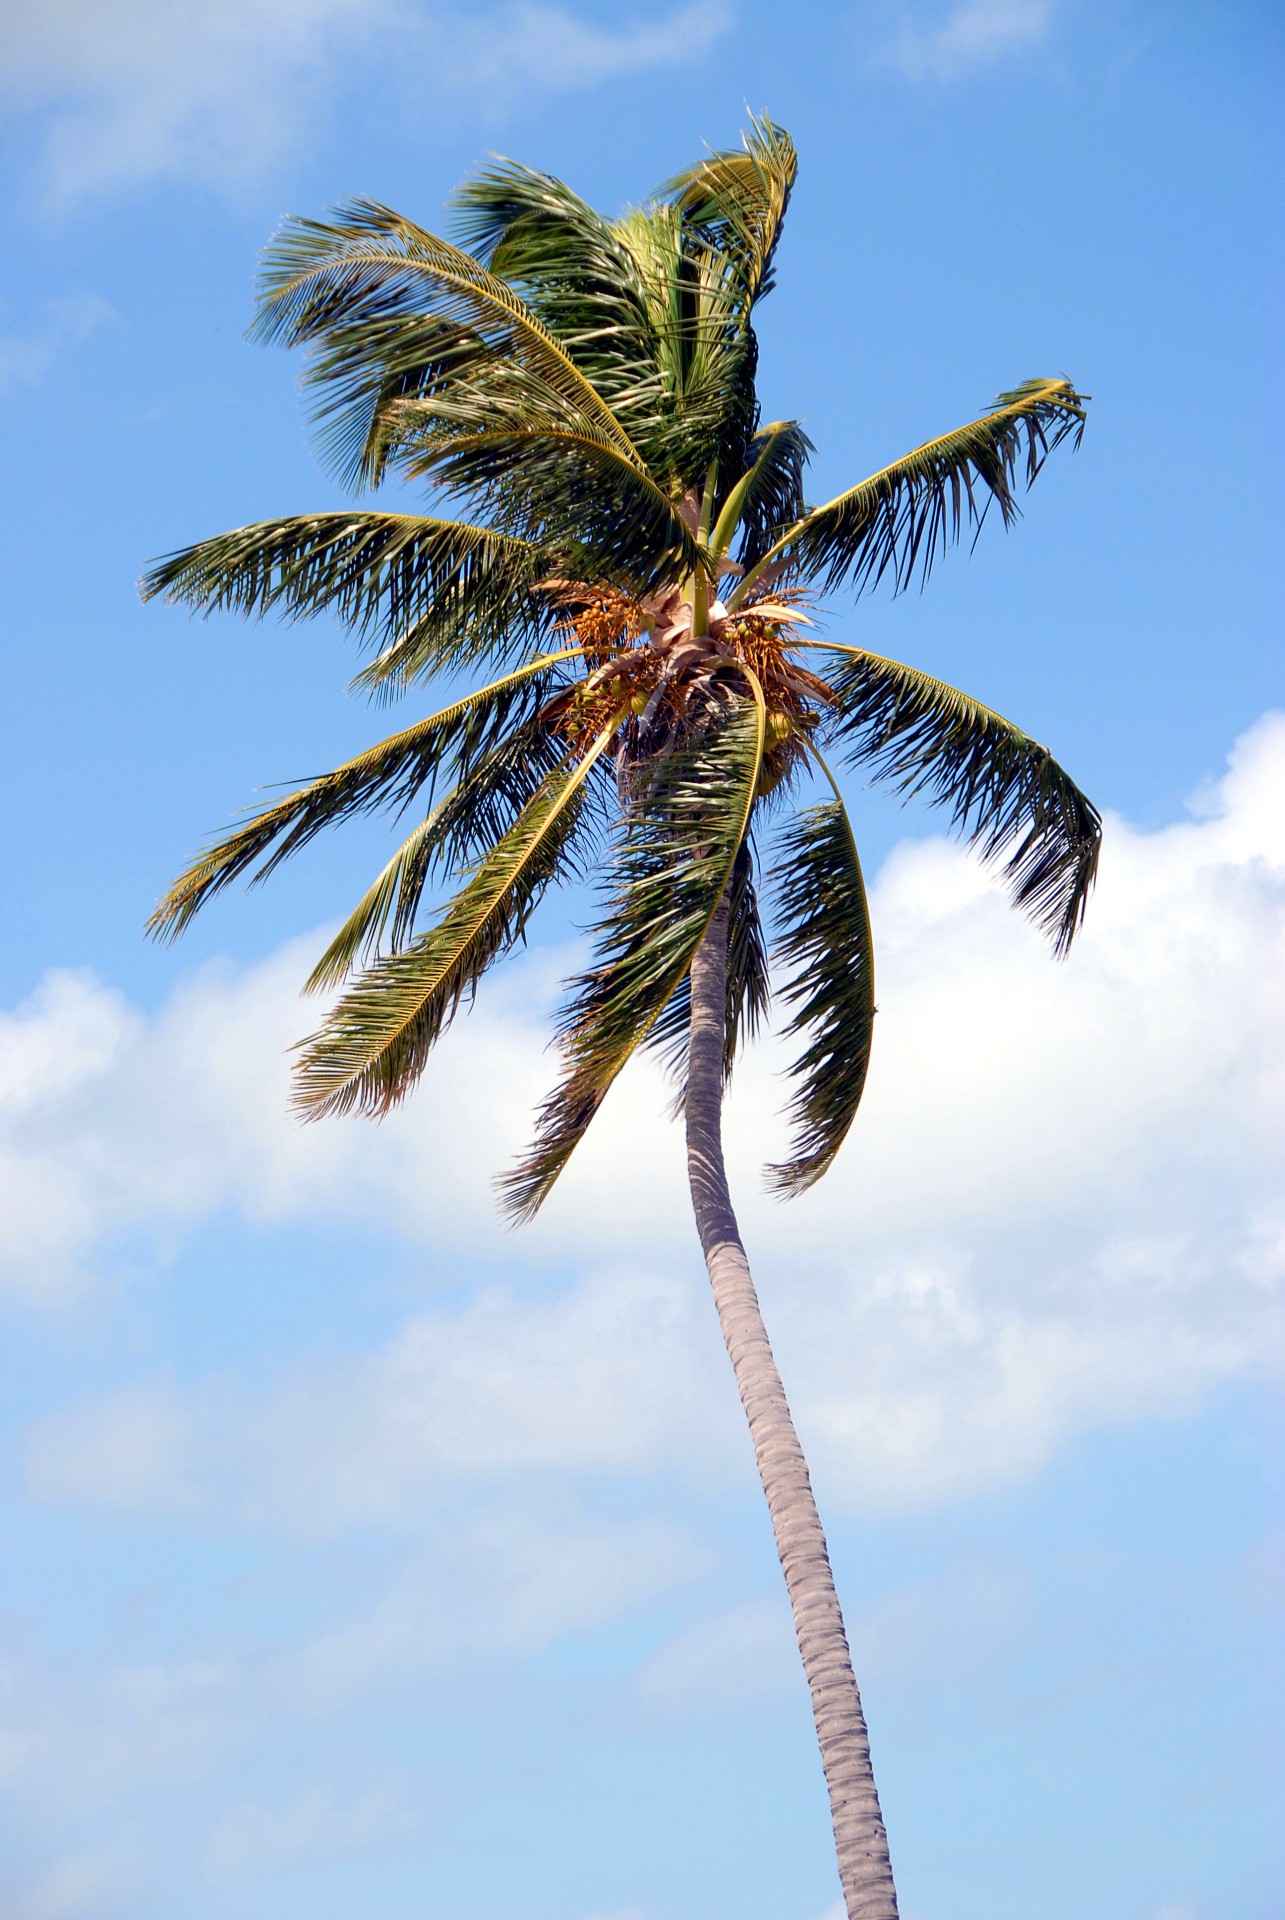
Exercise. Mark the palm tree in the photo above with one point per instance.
(637, 562)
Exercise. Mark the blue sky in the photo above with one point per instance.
(365, 1558)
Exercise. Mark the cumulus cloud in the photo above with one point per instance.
(968, 38)
(1058, 1207)
(217, 90)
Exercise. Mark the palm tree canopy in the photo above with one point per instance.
(630, 549)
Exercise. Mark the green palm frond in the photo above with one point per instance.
(389, 905)
(375, 1042)
(704, 351)
(901, 518)
(774, 498)
(824, 946)
(367, 286)
(737, 200)
(749, 993)
(561, 486)
(570, 267)
(682, 837)
(1006, 793)
(496, 789)
(387, 775)
(468, 587)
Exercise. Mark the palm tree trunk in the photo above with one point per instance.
(860, 1841)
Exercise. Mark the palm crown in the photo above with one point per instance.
(637, 563)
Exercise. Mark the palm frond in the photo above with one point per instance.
(389, 774)
(1006, 794)
(570, 267)
(372, 290)
(682, 836)
(705, 351)
(737, 200)
(825, 949)
(564, 487)
(903, 517)
(496, 788)
(768, 496)
(391, 901)
(749, 992)
(465, 591)
(375, 1042)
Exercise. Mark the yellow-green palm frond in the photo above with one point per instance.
(375, 1042)
(901, 518)
(706, 410)
(465, 591)
(566, 487)
(326, 283)
(738, 200)
(682, 836)
(573, 271)
(390, 775)
(1005, 792)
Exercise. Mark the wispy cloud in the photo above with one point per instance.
(546, 49)
(27, 353)
(969, 38)
(219, 90)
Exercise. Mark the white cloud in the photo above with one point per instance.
(1059, 1207)
(218, 90)
(312, 1824)
(924, 1636)
(27, 354)
(81, 1886)
(528, 48)
(146, 89)
(125, 1452)
(448, 1626)
(970, 37)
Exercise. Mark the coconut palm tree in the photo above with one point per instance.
(638, 568)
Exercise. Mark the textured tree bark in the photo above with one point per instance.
(865, 1871)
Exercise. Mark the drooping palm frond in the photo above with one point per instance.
(749, 993)
(375, 1042)
(825, 949)
(389, 905)
(1006, 793)
(682, 836)
(570, 267)
(369, 290)
(463, 591)
(387, 775)
(902, 518)
(498, 785)
(737, 200)
(564, 486)
(317, 275)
